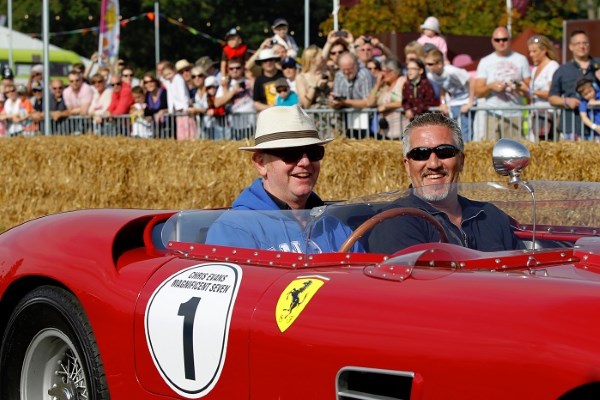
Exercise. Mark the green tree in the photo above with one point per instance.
(208, 21)
(468, 17)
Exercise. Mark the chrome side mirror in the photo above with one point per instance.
(510, 159)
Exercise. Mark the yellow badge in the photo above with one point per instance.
(293, 300)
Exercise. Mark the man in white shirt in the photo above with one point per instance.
(503, 80)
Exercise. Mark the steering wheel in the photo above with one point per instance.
(394, 212)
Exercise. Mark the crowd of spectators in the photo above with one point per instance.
(219, 99)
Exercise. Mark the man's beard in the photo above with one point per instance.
(435, 193)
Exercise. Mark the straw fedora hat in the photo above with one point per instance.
(285, 126)
(182, 64)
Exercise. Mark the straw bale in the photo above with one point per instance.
(43, 175)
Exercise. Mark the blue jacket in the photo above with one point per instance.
(271, 229)
(484, 227)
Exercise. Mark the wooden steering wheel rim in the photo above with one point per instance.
(394, 212)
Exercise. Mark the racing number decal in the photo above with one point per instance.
(187, 325)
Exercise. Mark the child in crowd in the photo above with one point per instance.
(417, 92)
(431, 34)
(141, 124)
(215, 123)
(285, 97)
(589, 116)
(233, 48)
(281, 37)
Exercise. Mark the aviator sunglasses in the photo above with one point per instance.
(294, 154)
(443, 151)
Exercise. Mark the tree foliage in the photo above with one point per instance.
(209, 20)
(467, 17)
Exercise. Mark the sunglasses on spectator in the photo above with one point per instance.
(501, 39)
(335, 53)
(234, 68)
(75, 80)
(294, 154)
(431, 64)
(282, 90)
(127, 75)
(198, 76)
(116, 84)
(442, 152)
(56, 87)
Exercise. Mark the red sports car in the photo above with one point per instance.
(138, 304)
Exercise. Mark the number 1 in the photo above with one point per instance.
(188, 311)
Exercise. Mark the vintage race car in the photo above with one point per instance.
(137, 304)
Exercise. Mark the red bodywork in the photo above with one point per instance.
(436, 322)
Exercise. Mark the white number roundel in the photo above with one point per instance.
(187, 326)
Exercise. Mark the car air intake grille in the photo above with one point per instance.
(355, 383)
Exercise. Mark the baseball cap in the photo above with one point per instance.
(232, 32)
(280, 22)
(289, 62)
(37, 86)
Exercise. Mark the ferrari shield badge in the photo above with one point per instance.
(187, 326)
(294, 299)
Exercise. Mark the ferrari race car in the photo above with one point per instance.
(137, 304)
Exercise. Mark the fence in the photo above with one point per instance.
(528, 122)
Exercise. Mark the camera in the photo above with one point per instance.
(338, 98)
(367, 39)
(242, 84)
(273, 41)
(341, 33)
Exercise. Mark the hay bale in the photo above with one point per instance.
(43, 175)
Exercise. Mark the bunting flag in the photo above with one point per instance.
(123, 23)
(110, 35)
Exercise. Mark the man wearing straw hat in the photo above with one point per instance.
(287, 154)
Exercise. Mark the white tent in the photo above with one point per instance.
(21, 41)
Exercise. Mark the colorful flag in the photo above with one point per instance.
(110, 34)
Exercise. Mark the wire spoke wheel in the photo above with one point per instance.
(51, 361)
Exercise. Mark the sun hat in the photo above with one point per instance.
(280, 22)
(39, 68)
(211, 81)
(205, 62)
(182, 64)
(432, 24)
(267, 54)
(285, 126)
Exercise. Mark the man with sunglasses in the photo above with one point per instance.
(434, 158)
(503, 81)
(287, 154)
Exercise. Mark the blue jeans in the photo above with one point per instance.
(465, 121)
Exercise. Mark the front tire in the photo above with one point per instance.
(49, 349)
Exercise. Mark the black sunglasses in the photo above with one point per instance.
(292, 155)
(443, 151)
(501, 39)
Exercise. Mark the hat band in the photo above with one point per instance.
(286, 135)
